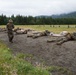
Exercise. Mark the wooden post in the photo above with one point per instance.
(68, 26)
(39, 25)
(53, 26)
(59, 26)
(50, 25)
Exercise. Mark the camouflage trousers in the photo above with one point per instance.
(10, 36)
(62, 40)
(59, 41)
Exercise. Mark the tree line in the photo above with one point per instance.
(38, 20)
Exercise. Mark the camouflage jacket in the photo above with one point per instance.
(10, 26)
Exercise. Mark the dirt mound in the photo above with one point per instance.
(48, 53)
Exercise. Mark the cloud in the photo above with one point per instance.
(36, 7)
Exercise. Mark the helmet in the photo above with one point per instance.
(10, 20)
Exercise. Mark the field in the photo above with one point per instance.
(56, 28)
(27, 56)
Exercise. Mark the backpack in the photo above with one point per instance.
(74, 35)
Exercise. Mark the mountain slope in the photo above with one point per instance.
(69, 15)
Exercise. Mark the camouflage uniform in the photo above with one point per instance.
(66, 38)
(74, 35)
(10, 27)
(61, 40)
(44, 33)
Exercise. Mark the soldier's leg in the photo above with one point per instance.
(64, 39)
(35, 36)
(55, 40)
(12, 36)
(9, 37)
(30, 35)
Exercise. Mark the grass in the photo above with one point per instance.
(61, 70)
(13, 65)
(55, 29)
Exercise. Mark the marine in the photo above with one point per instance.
(44, 33)
(10, 27)
(67, 37)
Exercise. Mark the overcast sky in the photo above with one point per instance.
(36, 7)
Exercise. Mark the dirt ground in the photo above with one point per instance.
(48, 53)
